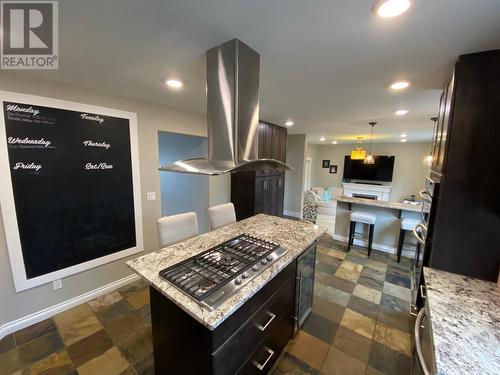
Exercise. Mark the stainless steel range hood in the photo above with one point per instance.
(233, 71)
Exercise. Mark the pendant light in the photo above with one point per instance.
(358, 153)
(428, 158)
(369, 159)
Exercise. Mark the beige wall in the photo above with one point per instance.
(150, 119)
(409, 170)
(294, 180)
(312, 152)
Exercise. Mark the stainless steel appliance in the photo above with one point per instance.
(304, 286)
(423, 359)
(233, 71)
(423, 234)
(213, 276)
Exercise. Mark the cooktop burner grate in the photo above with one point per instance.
(204, 274)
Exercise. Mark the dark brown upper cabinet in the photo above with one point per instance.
(262, 191)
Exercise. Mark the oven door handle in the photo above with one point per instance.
(422, 230)
(418, 345)
(426, 197)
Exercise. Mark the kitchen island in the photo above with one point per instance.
(247, 331)
(464, 315)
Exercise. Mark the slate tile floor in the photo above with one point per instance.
(359, 325)
(360, 322)
(107, 336)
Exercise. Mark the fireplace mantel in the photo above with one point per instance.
(378, 192)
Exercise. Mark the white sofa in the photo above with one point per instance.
(326, 209)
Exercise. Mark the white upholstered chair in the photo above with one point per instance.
(408, 224)
(176, 228)
(364, 218)
(221, 215)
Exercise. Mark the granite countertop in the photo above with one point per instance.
(465, 321)
(384, 204)
(293, 235)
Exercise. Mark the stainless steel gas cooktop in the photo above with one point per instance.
(212, 276)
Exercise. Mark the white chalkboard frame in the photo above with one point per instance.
(7, 203)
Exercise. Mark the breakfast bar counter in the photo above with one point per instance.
(383, 204)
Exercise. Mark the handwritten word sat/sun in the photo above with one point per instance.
(91, 166)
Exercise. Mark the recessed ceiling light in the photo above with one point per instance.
(403, 135)
(289, 123)
(403, 140)
(391, 8)
(174, 83)
(334, 142)
(322, 139)
(400, 85)
(402, 112)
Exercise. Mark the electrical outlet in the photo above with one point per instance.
(151, 196)
(57, 284)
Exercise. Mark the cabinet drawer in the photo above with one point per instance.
(230, 356)
(263, 358)
(231, 325)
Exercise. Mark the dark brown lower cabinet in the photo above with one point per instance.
(248, 342)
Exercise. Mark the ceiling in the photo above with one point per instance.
(325, 64)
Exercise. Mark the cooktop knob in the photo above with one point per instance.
(244, 275)
(264, 261)
(269, 257)
(255, 267)
(237, 281)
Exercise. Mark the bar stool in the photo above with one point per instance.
(176, 228)
(221, 215)
(407, 224)
(364, 218)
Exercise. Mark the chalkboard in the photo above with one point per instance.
(72, 183)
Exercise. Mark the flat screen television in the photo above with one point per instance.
(380, 171)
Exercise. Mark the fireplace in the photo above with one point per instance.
(369, 191)
(366, 196)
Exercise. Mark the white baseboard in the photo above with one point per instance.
(38, 316)
(292, 213)
(386, 249)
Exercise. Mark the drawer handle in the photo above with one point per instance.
(261, 366)
(263, 327)
(417, 235)
(426, 197)
(422, 292)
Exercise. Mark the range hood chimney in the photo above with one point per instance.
(233, 71)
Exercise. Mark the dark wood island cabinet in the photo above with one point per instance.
(248, 342)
